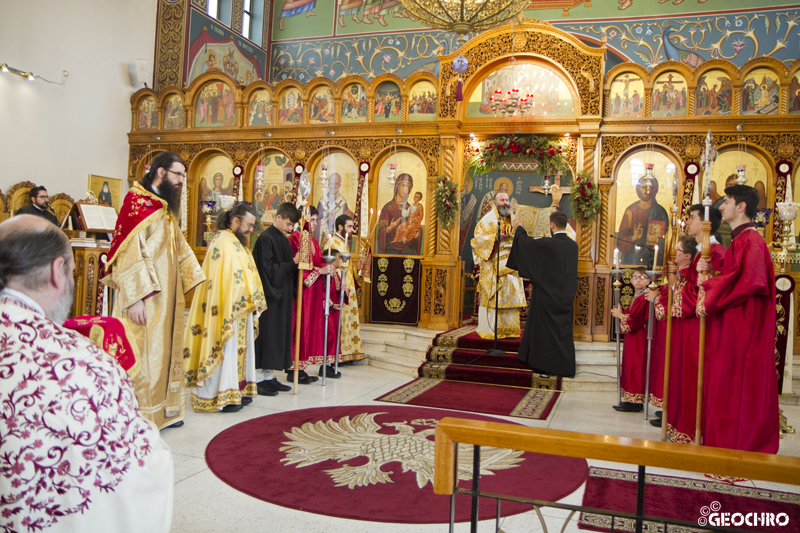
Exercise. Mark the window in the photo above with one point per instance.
(246, 16)
(213, 8)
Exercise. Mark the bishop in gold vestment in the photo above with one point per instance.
(512, 294)
(150, 262)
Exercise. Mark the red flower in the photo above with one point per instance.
(541, 153)
(589, 184)
(514, 150)
(503, 150)
(490, 146)
(481, 160)
(552, 152)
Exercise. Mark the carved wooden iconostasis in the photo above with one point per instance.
(360, 127)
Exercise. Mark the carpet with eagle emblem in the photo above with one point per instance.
(375, 463)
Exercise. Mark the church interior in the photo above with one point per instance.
(569, 106)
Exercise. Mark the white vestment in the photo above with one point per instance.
(73, 439)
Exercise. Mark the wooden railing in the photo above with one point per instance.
(453, 431)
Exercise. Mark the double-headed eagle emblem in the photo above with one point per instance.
(347, 439)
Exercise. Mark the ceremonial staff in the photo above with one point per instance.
(617, 288)
(329, 259)
(304, 263)
(669, 255)
(651, 317)
(709, 157)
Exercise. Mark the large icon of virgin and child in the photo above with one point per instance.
(400, 224)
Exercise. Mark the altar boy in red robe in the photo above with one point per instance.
(633, 323)
(685, 335)
(740, 394)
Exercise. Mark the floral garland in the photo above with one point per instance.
(446, 200)
(584, 198)
(545, 152)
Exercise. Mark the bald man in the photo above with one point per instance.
(74, 447)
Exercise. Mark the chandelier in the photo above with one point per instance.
(464, 16)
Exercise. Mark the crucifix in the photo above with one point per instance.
(556, 189)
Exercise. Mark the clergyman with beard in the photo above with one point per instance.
(75, 448)
(150, 267)
(484, 252)
(219, 340)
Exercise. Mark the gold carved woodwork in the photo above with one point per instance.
(427, 296)
(581, 317)
(439, 292)
(600, 302)
(602, 242)
(87, 285)
(237, 15)
(433, 223)
(169, 44)
(583, 63)
(18, 196)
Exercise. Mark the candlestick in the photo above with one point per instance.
(655, 257)
(616, 258)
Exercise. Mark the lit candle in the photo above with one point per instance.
(346, 237)
(330, 242)
(616, 258)
(655, 258)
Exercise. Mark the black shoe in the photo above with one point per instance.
(628, 407)
(177, 424)
(232, 408)
(330, 372)
(345, 363)
(247, 400)
(264, 389)
(659, 414)
(656, 422)
(278, 386)
(302, 377)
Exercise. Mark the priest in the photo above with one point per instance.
(551, 265)
(484, 252)
(277, 267)
(151, 267)
(219, 353)
(740, 393)
(351, 348)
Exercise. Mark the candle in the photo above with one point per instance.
(616, 258)
(655, 257)
(346, 247)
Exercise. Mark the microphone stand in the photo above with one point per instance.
(345, 258)
(495, 350)
(328, 260)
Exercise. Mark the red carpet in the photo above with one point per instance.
(475, 398)
(374, 463)
(681, 499)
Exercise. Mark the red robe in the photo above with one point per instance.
(682, 408)
(634, 353)
(740, 393)
(313, 318)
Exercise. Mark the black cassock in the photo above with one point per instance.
(274, 259)
(551, 265)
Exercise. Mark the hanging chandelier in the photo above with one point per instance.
(463, 17)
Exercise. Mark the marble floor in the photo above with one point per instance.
(203, 503)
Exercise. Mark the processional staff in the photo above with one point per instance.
(345, 261)
(709, 156)
(670, 251)
(304, 263)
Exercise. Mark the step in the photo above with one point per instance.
(403, 365)
(396, 332)
(407, 347)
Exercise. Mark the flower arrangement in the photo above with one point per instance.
(446, 200)
(584, 198)
(545, 152)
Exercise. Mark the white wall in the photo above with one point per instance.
(57, 135)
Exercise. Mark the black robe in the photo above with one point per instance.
(274, 259)
(43, 213)
(551, 264)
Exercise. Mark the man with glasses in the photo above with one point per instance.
(219, 358)
(40, 205)
(151, 267)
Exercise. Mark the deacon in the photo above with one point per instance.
(276, 267)
(551, 265)
(740, 394)
(77, 454)
(312, 323)
(351, 348)
(150, 266)
(219, 358)
(685, 335)
(484, 252)
(633, 322)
